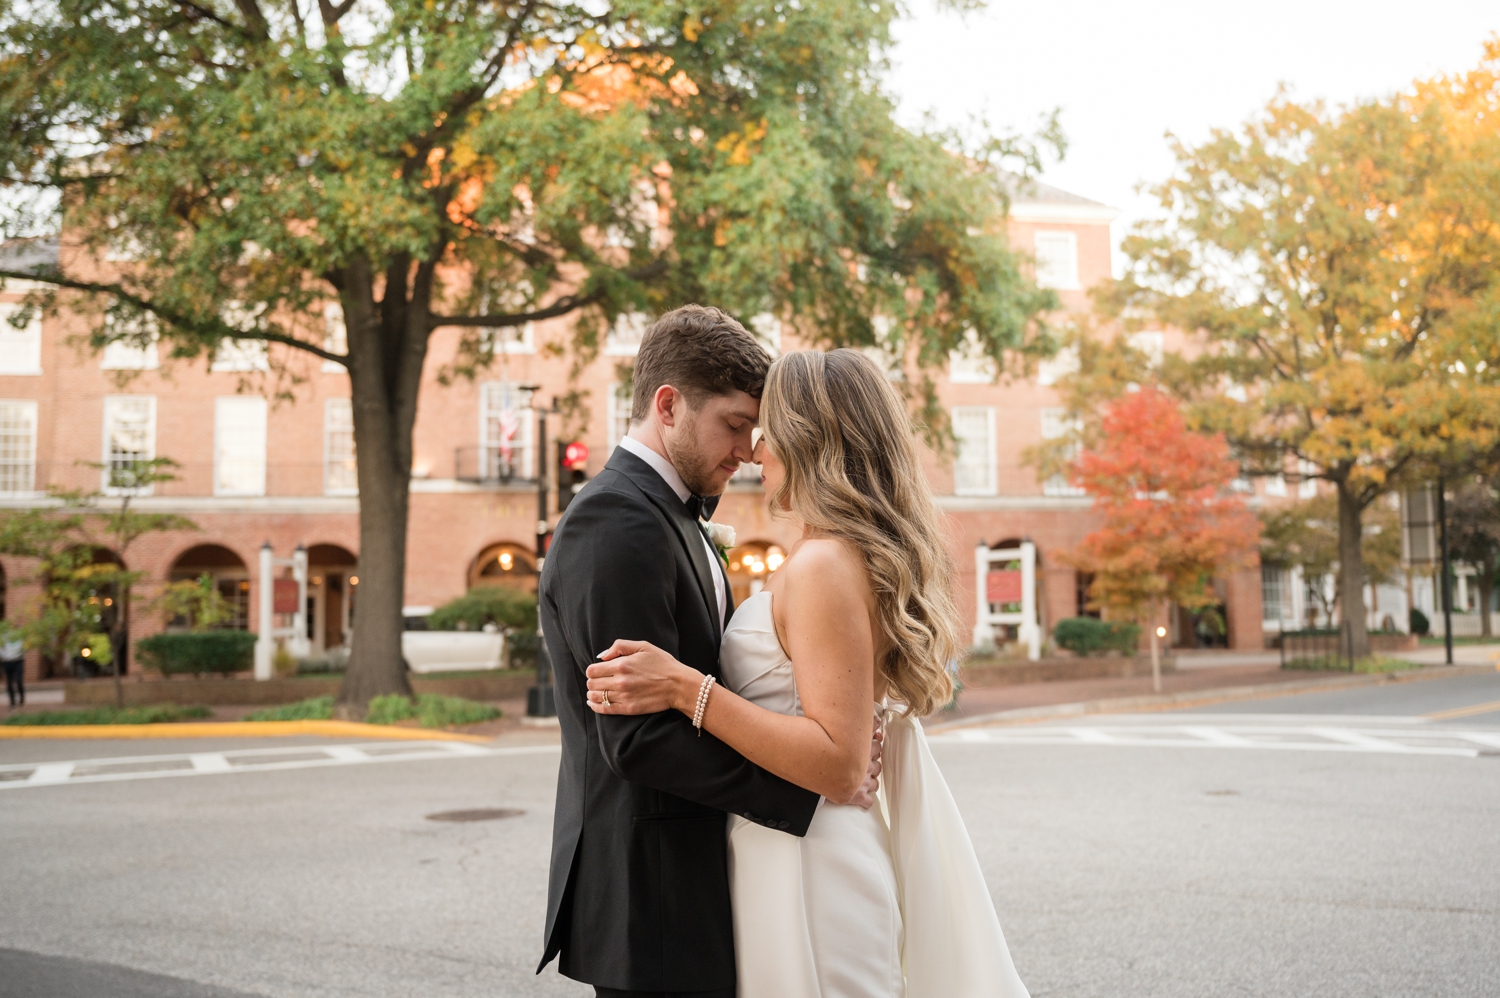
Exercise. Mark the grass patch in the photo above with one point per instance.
(1437, 642)
(155, 714)
(1334, 663)
(473, 674)
(316, 709)
(429, 710)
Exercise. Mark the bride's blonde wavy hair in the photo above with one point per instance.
(852, 472)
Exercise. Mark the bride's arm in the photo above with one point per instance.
(824, 609)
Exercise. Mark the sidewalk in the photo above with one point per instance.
(1197, 671)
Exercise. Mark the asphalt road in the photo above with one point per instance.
(1332, 844)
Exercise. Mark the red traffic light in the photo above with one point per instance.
(576, 456)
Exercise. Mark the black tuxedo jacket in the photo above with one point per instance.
(638, 898)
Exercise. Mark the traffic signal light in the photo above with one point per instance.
(572, 459)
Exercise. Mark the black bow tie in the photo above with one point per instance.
(702, 507)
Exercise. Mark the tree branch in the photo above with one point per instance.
(563, 305)
(222, 330)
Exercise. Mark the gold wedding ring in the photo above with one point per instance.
(606, 698)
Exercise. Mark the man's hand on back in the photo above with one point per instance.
(864, 798)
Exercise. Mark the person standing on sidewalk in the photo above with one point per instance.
(13, 660)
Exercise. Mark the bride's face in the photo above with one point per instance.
(772, 471)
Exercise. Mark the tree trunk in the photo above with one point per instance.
(387, 347)
(1352, 571)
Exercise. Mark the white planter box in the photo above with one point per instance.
(451, 651)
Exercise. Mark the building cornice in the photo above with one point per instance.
(1062, 212)
(205, 504)
(996, 504)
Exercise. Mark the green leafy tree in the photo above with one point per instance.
(86, 600)
(475, 165)
(197, 601)
(1474, 538)
(1335, 274)
(1305, 535)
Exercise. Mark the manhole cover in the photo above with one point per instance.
(477, 814)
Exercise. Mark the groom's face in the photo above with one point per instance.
(709, 443)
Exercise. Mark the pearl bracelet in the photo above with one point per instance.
(708, 684)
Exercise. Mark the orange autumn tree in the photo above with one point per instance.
(1170, 521)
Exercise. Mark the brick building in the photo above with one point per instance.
(260, 468)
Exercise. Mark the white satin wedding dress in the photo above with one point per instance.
(885, 903)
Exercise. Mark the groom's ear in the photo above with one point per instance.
(668, 404)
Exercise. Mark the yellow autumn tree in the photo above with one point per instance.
(1337, 275)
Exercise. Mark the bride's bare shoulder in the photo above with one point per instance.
(830, 567)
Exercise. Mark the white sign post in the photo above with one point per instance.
(267, 633)
(988, 560)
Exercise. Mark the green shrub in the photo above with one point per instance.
(316, 709)
(520, 649)
(1088, 636)
(1420, 625)
(198, 652)
(155, 714)
(508, 609)
(430, 710)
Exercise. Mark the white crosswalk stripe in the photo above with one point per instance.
(1412, 740)
(18, 776)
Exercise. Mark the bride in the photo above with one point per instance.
(873, 903)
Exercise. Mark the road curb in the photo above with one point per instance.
(1199, 698)
(237, 729)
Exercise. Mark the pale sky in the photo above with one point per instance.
(1126, 73)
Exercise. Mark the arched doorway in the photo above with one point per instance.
(103, 597)
(750, 565)
(504, 564)
(332, 580)
(229, 572)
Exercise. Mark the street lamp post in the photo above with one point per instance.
(541, 700)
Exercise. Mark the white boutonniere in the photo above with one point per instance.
(721, 536)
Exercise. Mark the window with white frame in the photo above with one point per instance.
(20, 349)
(1276, 485)
(132, 345)
(969, 364)
(1053, 369)
(505, 425)
(1055, 426)
(512, 339)
(1152, 343)
(1057, 260)
(17, 447)
(129, 439)
(340, 473)
(1308, 487)
(624, 337)
(239, 445)
(974, 464)
(240, 355)
(618, 415)
(335, 335)
(1276, 594)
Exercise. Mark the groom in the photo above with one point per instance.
(638, 900)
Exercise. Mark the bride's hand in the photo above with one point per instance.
(636, 677)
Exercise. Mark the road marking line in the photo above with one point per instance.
(61, 773)
(1478, 708)
(1305, 738)
(48, 773)
(209, 762)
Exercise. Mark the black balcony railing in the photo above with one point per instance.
(488, 465)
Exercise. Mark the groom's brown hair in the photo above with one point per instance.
(699, 351)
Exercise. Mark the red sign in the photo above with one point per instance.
(1003, 587)
(576, 456)
(284, 596)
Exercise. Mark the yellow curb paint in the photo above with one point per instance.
(237, 729)
(1478, 708)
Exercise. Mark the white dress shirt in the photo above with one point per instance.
(669, 474)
